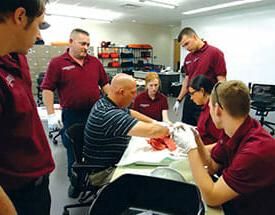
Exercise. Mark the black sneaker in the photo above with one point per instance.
(73, 192)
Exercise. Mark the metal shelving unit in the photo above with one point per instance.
(123, 59)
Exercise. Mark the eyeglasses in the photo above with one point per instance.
(216, 94)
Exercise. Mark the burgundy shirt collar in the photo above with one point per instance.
(156, 98)
(202, 49)
(67, 56)
(11, 63)
(240, 133)
(206, 106)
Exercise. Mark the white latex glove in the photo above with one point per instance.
(176, 107)
(53, 122)
(184, 138)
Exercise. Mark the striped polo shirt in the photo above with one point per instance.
(105, 135)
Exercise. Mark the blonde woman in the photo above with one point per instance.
(151, 102)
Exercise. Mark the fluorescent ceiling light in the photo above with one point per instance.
(77, 17)
(172, 2)
(219, 6)
(81, 12)
(158, 4)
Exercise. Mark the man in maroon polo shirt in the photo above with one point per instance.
(26, 159)
(245, 155)
(77, 77)
(203, 59)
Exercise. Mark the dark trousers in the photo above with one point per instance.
(190, 111)
(70, 117)
(32, 199)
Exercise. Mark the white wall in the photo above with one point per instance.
(122, 33)
(174, 34)
(247, 38)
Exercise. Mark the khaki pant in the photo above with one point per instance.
(103, 177)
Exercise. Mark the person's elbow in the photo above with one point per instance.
(216, 198)
(221, 78)
(46, 92)
(213, 201)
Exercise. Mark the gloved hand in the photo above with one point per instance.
(184, 138)
(53, 122)
(176, 106)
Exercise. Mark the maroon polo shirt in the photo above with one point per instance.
(208, 61)
(24, 150)
(152, 108)
(248, 164)
(207, 129)
(78, 86)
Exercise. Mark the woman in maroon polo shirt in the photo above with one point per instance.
(200, 89)
(151, 102)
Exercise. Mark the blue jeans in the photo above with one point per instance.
(70, 117)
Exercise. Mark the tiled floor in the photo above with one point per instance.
(59, 182)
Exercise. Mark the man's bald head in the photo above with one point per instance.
(123, 89)
(122, 80)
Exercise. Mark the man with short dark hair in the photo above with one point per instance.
(26, 159)
(78, 79)
(244, 155)
(203, 59)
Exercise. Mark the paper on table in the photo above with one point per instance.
(140, 152)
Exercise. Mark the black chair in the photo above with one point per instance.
(133, 194)
(263, 102)
(39, 100)
(53, 135)
(80, 170)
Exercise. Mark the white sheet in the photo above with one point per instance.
(139, 151)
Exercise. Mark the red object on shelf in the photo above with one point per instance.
(103, 55)
(162, 143)
(114, 64)
(140, 46)
(114, 55)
